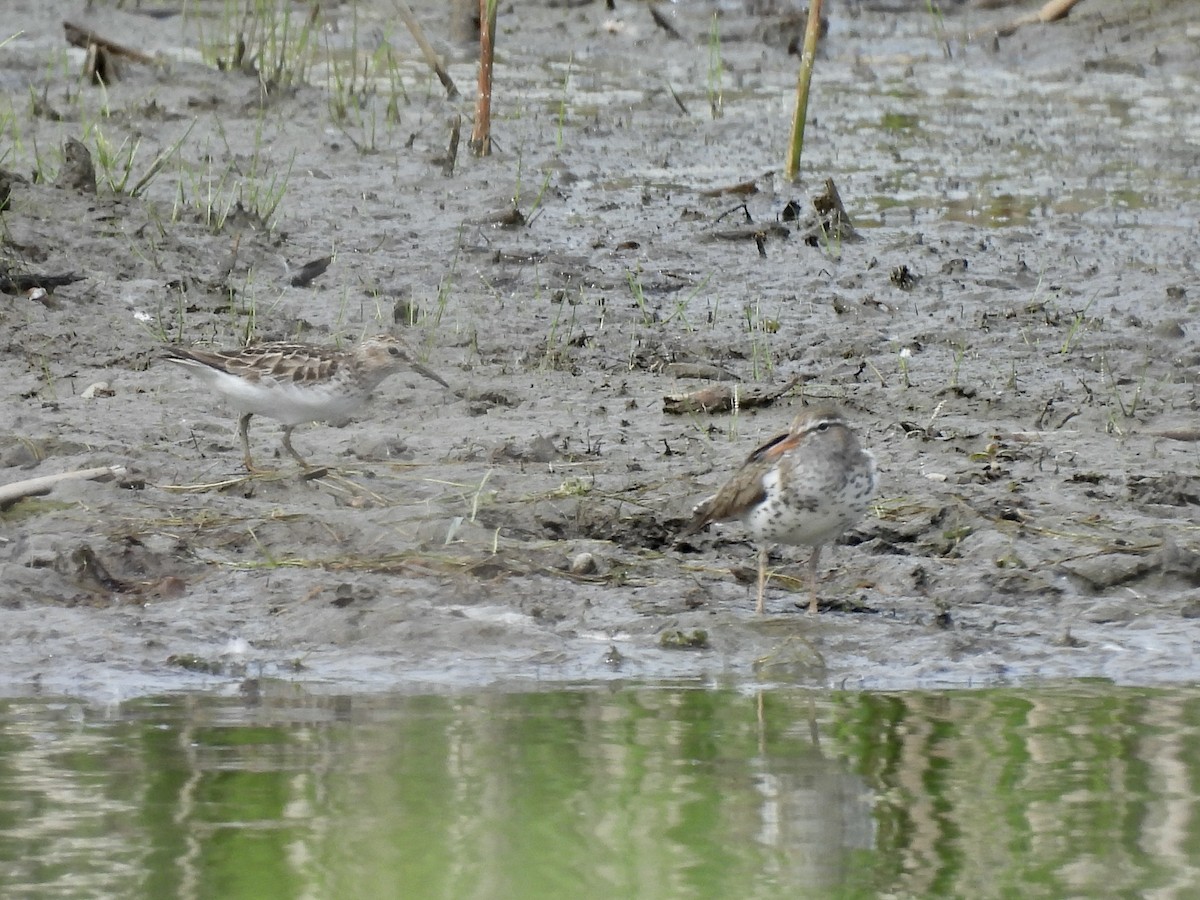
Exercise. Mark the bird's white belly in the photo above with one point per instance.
(774, 523)
(290, 403)
(806, 514)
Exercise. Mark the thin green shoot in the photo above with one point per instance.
(1077, 323)
(447, 283)
(903, 357)
(831, 244)
(1132, 408)
(535, 209)
(113, 164)
(639, 296)
(159, 162)
(477, 497)
(716, 69)
(51, 394)
(562, 104)
(939, 26)
(959, 352)
(682, 307)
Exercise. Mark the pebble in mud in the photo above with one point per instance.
(584, 564)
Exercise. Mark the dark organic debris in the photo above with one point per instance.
(101, 53)
(17, 283)
(195, 663)
(834, 222)
(79, 36)
(903, 277)
(77, 171)
(86, 570)
(310, 271)
(696, 639)
(509, 217)
(664, 23)
(1171, 489)
(752, 232)
(7, 180)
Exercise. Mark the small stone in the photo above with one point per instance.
(1170, 329)
(77, 171)
(1107, 570)
(584, 564)
(1109, 614)
(99, 389)
(542, 450)
(697, 639)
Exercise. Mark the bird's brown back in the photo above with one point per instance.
(746, 489)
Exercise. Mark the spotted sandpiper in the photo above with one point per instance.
(803, 487)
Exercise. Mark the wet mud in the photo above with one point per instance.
(1013, 335)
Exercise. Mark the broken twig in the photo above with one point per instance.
(11, 493)
(1051, 11)
(723, 398)
(427, 50)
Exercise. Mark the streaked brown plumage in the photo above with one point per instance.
(295, 383)
(803, 487)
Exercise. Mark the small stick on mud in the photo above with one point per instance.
(664, 23)
(84, 37)
(743, 188)
(1051, 11)
(481, 134)
(11, 493)
(1177, 434)
(723, 398)
(17, 283)
(812, 32)
(835, 221)
(452, 151)
(750, 232)
(427, 50)
(678, 100)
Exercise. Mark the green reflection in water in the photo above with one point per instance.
(1085, 790)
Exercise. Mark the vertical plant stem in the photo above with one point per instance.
(481, 134)
(452, 150)
(811, 32)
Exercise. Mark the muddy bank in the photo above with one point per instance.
(1013, 337)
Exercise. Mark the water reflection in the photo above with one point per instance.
(634, 791)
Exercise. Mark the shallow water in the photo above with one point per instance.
(670, 791)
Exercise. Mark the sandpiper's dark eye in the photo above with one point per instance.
(394, 351)
(824, 426)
